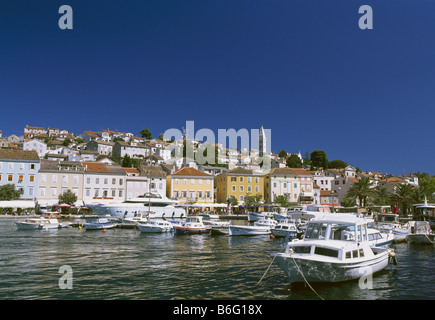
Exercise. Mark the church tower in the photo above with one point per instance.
(262, 142)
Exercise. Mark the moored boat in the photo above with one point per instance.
(421, 233)
(333, 249)
(378, 238)
(259, 227)
(155, 226)
(192, 224)
(99, 224)
(285, 229)
(42, 222)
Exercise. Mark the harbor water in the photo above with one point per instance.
(127, 264)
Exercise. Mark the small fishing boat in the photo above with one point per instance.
(155, 226)
(285, 229)
(259, 227)
(389, 222)
(43, 223)
(379, 238)
(192, 224)
(332, 250)
(256, 216)
(421, 233)
(218, 227)
(99, 224)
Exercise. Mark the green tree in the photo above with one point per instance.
(293, 161)
(361, 190)
(348, 202)
(281, 201)
(118, 139)
(282, 154)
(67, 197)
(66, 142)
(233, 201)
(8, 192)
(78, 140)
(146, 133)
(382, 197)
(403, 195)
(318, 159)
(337, 164)
(253, 200)
(128, 162)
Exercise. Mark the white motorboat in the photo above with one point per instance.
(42, 222)
(218, 226)
(288, 213)
(153, 205)
(259, 227)
(285, 229)
(155, 226)
(99, 224)
(379, 238)
(421, 233)
(192, 224)
(389, 222)
(334, 249)
(256, 216)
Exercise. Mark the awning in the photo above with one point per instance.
(17, 204)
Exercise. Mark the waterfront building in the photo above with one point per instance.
(343, 181)
(282, 182)
(190, 185)
(56, 177)
(20, 167)
(239, 182)
(103, 182)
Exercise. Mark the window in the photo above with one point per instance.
(64, 190)
(233, 179)
(32, 178)
(43, 178)
(241, 188)
(257, 189)
(88, 192)
(176, 194)
(199, 194)
(207, 181)
(192, 181)
(257, 179)
(42, 191)
(241, 179)
(249, 188)
(10, 177)
(113, 193)
(176, 181)
(184, 194)
(249, 179)
(120, 192)
(76, 179)
(208, 194)
(192, 194)
(20, 178)
(184, 181)
(21, 166)
(241, 198)
(65, 179)
(88, 180)
(96, 192)
(53, 191)
(106, 181)
(32, 166)
(120, 183)
(113, 181)
(11, 166)
(199, 181)
(233, 188)
(326, 252)
(54, 178)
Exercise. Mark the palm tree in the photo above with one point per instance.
(382, 197)
(361, 189)
(403, 195)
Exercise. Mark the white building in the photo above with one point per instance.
(36, 145)
(282, 181)
(103, 183)
(133, 149)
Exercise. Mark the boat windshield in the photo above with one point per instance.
(325, 231)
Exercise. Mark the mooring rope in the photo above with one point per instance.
(266, 270)
(429, 239)
(305, 279)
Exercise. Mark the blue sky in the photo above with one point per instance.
(303, 69)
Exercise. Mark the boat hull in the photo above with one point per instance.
(99, 226)
(299, 270)
(421, 238)
(278, 233)
(191, 230)
(235, 230)
(153, 229)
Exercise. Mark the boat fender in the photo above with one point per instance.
(392, 256)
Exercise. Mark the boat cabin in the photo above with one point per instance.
(345, 238)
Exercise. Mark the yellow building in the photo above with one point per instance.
(190, 185)
(239, 182)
